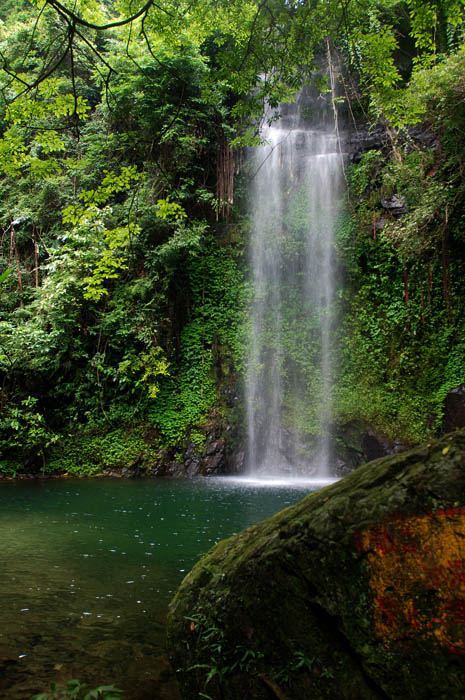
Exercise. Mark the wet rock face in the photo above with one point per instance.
(213, 450)
(363, 139)
(358, 591)
(357, 442)
(455, 409)
(396, 206)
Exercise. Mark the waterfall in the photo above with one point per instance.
(294, 208)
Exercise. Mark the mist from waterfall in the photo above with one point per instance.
(294, 207)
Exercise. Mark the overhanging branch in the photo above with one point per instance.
(102, 27)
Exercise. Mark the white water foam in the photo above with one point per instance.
(296, 189)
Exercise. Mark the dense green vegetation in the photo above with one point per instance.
(404, 335)
(123, 294)
(75, 690)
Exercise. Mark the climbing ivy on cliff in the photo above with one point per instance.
(405, 328)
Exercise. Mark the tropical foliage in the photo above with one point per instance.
(122, 270)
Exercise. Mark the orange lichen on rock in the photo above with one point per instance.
(417, 578)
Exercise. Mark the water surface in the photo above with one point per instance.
(88, 568)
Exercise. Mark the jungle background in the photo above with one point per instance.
(124, 226)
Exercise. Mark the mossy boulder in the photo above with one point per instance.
(356, 592)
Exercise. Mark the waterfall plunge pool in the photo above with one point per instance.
(88, 568)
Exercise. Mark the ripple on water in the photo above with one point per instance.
(78, 597)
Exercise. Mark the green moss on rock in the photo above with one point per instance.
(358, 591)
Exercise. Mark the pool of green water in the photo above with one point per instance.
(88, 568)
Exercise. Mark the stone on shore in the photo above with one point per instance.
(356, 592)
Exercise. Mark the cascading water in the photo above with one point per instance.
(295, 204)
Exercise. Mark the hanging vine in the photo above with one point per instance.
(332, 78)
(225, 167)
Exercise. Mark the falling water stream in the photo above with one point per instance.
(295, 203)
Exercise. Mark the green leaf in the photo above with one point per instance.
(5, 274)
(170, 210)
